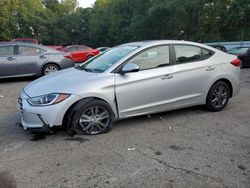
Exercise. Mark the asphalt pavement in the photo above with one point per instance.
(184, 148)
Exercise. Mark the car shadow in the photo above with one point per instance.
(60, 132)
(19, 79)
(156, 117)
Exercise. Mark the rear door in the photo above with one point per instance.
(30, 59)
(193, 72)
(7, 61)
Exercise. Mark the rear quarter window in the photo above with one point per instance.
(207, 53)
(187, 54)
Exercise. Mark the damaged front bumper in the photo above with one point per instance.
(43, 117)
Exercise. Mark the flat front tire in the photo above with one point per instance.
(218, 96)
(92, 117)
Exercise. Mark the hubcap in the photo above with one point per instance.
(219, 97)
(50, 69)
(94, 120)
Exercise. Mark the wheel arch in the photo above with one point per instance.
(77, 104)
(227, 81)
(47, 63)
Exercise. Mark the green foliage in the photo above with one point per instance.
(112, 22)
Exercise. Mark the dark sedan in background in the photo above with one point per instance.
(243, 54)
(26, 59)
(219, 47)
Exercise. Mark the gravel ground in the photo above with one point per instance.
(183, 148)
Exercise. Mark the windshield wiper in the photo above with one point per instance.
(86, 69)
(97, 70)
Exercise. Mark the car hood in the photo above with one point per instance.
(65, 81)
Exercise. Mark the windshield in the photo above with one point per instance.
(105, 60)
(238, 50)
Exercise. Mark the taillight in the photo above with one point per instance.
(236, 62)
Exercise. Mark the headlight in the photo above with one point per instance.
(49, 99)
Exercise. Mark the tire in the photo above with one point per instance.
(50, 68)
(90, 117)
(218, 96)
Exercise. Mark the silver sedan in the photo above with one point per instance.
(25, 59)
(130, 80)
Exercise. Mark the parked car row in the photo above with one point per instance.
(78, 53)
(27, 59)
(243, 53)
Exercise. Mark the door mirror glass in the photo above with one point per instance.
(130, 67)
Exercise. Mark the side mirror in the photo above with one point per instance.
(130, 67)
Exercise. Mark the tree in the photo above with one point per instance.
(112, 22)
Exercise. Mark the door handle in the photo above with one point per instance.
(11, 58)
(210, 68)
(42, 57)
(167, 76)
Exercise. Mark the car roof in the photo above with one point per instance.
(160, 42)
(28, 44)
(75, 46)
(24, 39)
(243, 47)
(216, 45)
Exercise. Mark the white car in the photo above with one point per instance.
(130, 80)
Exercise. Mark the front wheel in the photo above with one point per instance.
(218, 96)
(93, 117)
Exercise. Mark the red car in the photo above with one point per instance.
(55, 47)
(80, 53)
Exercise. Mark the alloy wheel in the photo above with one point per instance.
(50, 69)
(219, 96)
(94, 120)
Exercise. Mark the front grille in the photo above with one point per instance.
(20, 105)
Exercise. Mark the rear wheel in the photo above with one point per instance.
(218, 96)
(92, 117)
(50, 68)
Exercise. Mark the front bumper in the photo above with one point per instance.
(34, 117)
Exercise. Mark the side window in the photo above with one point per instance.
(152, 58)
(6, 50)
(207, 54)
(82, 48)
(29, 50)
(72, 49)
(186, 54)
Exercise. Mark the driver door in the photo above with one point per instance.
(7, 61)
(152, 89)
